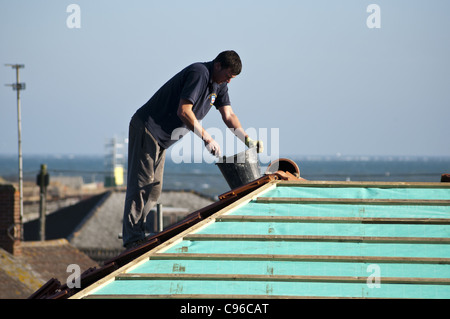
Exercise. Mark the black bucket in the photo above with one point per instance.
(240, 169)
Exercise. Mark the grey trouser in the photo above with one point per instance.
(144, 181)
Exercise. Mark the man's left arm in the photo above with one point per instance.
(232, 121)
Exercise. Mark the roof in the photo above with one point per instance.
(93, 225)
(38, 263)
(297, 239)
(63, 222)
(17, 276)
(50, 258)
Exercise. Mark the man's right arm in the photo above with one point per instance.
(188, 117)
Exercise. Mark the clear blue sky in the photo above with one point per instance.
(311, 69)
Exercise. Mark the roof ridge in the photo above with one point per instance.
(46, 243)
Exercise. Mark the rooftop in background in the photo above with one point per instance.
(93, 225)
(39, 262)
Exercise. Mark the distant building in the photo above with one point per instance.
(26, 266)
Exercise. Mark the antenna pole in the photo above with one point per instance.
(17, 87)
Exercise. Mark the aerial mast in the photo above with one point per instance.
(17, 87)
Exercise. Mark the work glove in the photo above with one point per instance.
(252, 143)
(213, 148)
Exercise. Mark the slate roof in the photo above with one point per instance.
(38, 263)
(62, 223)
(51, 258)
(17, 279)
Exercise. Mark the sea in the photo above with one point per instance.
(206, 178)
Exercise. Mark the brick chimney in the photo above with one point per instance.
(10, 223)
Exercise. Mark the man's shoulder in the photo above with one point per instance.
(200, 67)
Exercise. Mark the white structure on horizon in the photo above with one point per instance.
(115, 161)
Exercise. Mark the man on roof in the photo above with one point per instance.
(180, 103)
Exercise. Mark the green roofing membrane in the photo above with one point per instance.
(330, 229)
(264, 288)
(295, 268)
(342, 210)
(311, 248)
(416, 255)
(360, 192)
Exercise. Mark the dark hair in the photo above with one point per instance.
(230, 59)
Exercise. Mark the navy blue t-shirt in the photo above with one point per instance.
(194, 83)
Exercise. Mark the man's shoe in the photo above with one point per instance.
(136, 243)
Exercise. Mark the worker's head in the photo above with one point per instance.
(227, 65)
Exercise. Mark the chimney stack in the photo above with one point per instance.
(10, 223)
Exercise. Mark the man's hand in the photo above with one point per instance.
(252, 143)
(232, 121)
(188, 117)
(213, 147)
